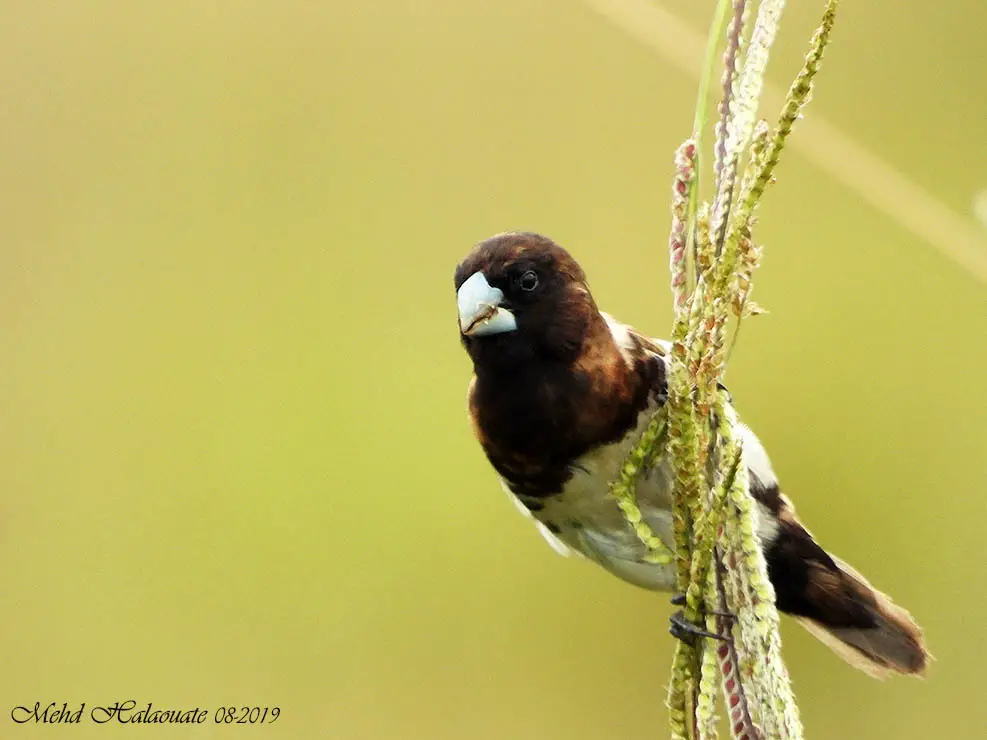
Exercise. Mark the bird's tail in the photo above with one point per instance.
(838, 605)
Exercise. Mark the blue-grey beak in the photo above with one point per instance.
(480, 312)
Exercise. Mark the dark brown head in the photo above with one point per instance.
(522, 298)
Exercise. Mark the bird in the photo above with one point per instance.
(561, 391)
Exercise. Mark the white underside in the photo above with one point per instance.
(588, 521)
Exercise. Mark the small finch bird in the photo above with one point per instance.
(560, 394)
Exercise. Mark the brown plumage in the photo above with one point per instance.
(545, 395)
(560, 393)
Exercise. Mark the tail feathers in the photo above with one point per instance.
(893, 643)
(838, 606)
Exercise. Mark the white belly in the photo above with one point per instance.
(585, 517)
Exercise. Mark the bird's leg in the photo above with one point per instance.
(682, 629)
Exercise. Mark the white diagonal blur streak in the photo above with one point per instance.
(980, 207)
(820, 142)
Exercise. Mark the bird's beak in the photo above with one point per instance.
(480, 312)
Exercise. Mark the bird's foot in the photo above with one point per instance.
(684, 630)
(688, 632)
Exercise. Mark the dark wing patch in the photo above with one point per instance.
(769, 495)
(840, 607)
(809, 583)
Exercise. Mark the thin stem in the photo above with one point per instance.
(716, 29)
(734, 696)
(726, 165)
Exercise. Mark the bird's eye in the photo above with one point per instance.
(529, 280)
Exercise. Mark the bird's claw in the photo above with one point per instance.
(688, 632)
(684, 630)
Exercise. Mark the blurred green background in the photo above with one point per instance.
(235, 465)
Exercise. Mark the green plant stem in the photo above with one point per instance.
(716, 30)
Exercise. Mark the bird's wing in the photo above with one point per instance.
(658, 347)
(629, 339)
